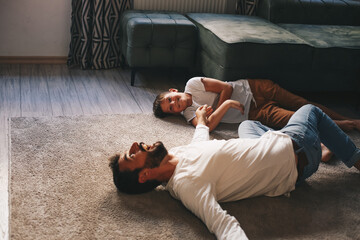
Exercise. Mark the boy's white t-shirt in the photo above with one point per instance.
(241, 93)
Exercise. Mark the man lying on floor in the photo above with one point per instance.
(261, 162)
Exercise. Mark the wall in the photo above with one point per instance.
(34, 27)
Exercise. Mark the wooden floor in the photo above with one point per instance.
(56, 90)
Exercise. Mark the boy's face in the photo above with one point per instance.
(174, 102)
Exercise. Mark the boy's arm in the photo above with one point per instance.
(222, 88)
(214, 119)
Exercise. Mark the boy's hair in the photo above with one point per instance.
(128, 181)
(158, 112)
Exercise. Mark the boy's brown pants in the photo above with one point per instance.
(274, 105)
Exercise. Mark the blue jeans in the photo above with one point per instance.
(308, 127)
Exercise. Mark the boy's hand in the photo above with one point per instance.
(237, 105)
(209, 111)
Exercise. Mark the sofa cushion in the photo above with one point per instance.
(335, 47)
(247, 46)
(326, 12)
(158, 39)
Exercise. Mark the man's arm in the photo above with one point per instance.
(202, 131)
(199, 199)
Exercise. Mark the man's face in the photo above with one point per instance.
(141, 156)
(174, 102)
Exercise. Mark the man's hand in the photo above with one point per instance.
(202, 113)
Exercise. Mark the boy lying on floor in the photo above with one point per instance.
(246, 99)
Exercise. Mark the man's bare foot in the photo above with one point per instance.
(326, 154)
(357, 165)
(357, 124)
(347, 125)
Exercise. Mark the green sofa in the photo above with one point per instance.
(301, 56)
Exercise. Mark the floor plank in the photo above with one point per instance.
(4, 166)
(10, 90)
(35, 98)
(91, 96)
(63, 96)
(117, 92)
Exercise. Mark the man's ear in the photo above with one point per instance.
(173, 90)
(145, 175)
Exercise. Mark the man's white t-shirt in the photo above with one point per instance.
(241, 93)
(215, 171)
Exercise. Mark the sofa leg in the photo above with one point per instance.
(132, 76)
(122, 61)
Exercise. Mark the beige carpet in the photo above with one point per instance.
(61, 187)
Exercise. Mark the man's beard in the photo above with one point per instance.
(155, 157)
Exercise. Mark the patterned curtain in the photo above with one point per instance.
(95, 33)
(246, 7)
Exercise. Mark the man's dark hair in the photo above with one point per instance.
(158, 112)
(128, 181)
